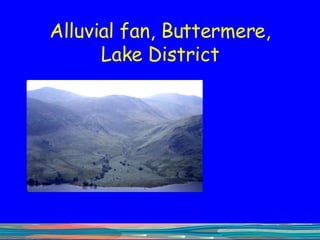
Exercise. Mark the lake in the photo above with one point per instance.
(185, 187)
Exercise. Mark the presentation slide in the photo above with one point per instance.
(160, 120)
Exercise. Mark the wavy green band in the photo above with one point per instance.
(163, 231)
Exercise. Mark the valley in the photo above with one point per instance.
(113, 141)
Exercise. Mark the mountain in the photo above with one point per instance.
(175, 106)
(52, 95)
(118, 113)
(109, 141)
(177, 98)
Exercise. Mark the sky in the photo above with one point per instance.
(133, 88)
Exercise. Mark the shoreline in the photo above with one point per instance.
(184, 187)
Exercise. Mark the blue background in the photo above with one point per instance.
(261, 107)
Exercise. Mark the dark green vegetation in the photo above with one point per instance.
(114, 140)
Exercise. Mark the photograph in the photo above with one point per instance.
(114, 135)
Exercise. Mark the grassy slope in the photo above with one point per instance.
(173, 150)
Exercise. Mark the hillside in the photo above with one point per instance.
(173, 149)
(46, 118)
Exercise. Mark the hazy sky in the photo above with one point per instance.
(134, 88)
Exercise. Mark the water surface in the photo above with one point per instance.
(185, 187)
